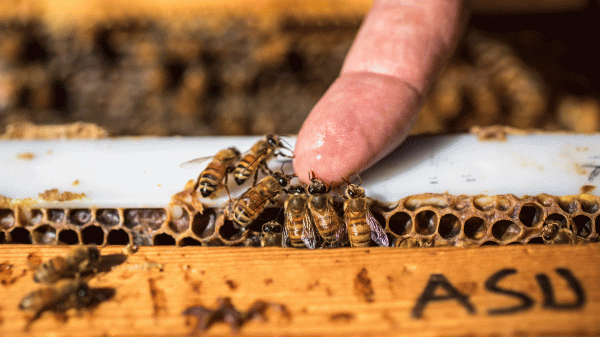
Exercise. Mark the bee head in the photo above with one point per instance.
(271, 227)
(273, 140)
(297, 189)
(94, 253)
(550, 231)
(354, 191)
(236, 152)
(83, 294)
(282, 179)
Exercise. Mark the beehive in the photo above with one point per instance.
(425, 220)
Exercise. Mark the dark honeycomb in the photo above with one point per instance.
(425, 220)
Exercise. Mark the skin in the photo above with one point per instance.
(370, 108)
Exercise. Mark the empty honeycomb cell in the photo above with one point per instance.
(484, 202)
(187, 241)
(150, 217)
(567, 204)
(530, 214)
(19, 235)
(401, 223)
(558, 218)
(588, 205)
(92, 235)
(68, 237)
(7, 218)
(505, 230)
(164, 239)
(181, 223)
(108, 217)
(536, 241)
(229, 233)
(490, 243)
(56, 215)
(44, 235)
(80, 217)
(2, 237)
(31, 216)
(203, 224)
(475, 228)
(117, 237)
(583, 225)
(449, 226)
(425, 222)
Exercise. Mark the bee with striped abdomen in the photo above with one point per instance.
(271, 234)
(298, 228)
(360, 222)
(248, 206)
(216, 172)
(261, 152)
(79, 260)
(320, 208)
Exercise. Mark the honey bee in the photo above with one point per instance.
(554, 233)
(360, 222)
(261, 152)
(79, 260)
(298, 226)
(271, 234)
(248, 206)
(217, 171)
(64, 295)
(320, 207)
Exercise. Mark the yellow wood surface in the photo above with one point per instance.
(328, 292)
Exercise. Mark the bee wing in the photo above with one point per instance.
(285, 235)
(341, 233)
(194, 162)
(377, 233)
(309, 236)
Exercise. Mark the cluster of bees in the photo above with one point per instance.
(310, 217)
(64, 288)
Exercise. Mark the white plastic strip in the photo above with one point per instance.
(145, 172)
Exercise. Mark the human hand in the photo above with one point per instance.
(369, 110)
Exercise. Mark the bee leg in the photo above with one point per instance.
(281, 154)
(227, 187)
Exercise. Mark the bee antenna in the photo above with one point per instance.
(288, 147)
(347, 182)
(311, 175)
(359, 179)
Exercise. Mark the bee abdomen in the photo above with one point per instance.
(359, 232)
(245, 168)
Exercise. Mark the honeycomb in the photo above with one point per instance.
(424, 220)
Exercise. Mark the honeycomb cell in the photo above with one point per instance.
(108, 217)
(475, 228)
(164, 240)
(229, 233)
(490, 243)
(503, 203)
(187, 241)
(142, 236)
(44, 235)
(380, 219)
(56, 215)
(449, 226)
(68, 237)
(425, 222)
(589, 205)
(484, 203)
(567, 204)
(117, 237)
(583, 225)
(418, 201)
(530, 214)
(31, 216)
(2, 237)
(150, 217)
(92, 235)
(545, 200)
(558, 218)
(7, 218)
(505, 230)
(19, 235)
(180, 224)
(80, 217)
(203, 224)
(401, 223)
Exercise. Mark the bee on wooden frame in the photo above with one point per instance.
(360, 222)
(321, 210)
(248, 206)
(216, 172)
(298, 227)
(256, 158)
(79, 260)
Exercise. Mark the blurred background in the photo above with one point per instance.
(235, 67)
